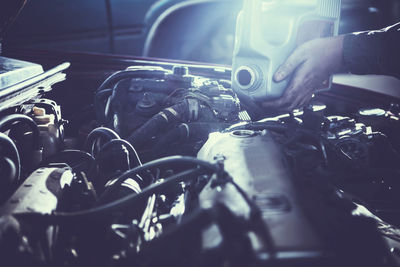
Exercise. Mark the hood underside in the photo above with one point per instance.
(9, 10)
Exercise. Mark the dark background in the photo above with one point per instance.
(198, 32)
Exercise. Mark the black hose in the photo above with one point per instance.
(12, 169)
(138, 73)
(315, 138)
(133, 155)
(8, 121)
(98, 133)
(319, 142)
(180, 133)
(255, 112)
(99, 106)
(127, 201)
(107, 87)
(10, 148)
(256, 218)
(159, 122)
(157, 163)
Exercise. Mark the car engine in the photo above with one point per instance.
(172, 168)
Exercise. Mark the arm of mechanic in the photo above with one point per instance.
(369, 52)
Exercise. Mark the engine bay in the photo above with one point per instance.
(168, 167)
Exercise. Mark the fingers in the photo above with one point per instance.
(283, 103)
(310, 65)
(290, 65)
(298, 91)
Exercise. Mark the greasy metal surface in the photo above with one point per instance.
(40, 192)
(256, 163)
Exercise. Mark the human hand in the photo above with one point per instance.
(311, 65)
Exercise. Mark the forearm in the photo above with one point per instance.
(373, 52)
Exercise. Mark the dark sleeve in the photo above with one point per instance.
(373, 52)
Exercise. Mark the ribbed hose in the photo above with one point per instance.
(159, 122)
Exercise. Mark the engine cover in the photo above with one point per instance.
(257, 164)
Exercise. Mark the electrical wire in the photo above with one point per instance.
(138, 73)
(256, 218)
(319, 142)
(133, 199)
(133, 155)
(99, 133)
(99, 105)
(107, 87)
(102, 212)
(158, 163)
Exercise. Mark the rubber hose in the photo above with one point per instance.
(11, 148)
(7, 122)
(159, 122)
(98, 133)
(133, 155)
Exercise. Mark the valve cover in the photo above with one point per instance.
(257, 164)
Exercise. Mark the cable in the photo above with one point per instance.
(98, 133)
(133, 155)
(256, 217)
(58, 218)
(7, 122)
(130, 200)
(9, 147)
(106, 88)
(138, 73)
(99, 106)
(156, 163)
(164, 161)
(318, 142)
